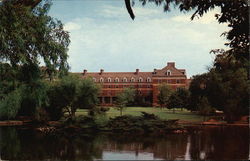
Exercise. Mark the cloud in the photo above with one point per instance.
(111, 40)
(207, 18)
(119, 12)
(71, 26)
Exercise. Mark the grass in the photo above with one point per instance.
(162, 113)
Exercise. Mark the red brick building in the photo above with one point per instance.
(145, 83)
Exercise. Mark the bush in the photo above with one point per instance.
(98, 111)
(10, 105)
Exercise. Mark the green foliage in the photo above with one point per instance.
(34, 97)
(225, 86)
(30, 35)
(10, 105)
(174, 101)
(87, 96)
(7, 79)
(204, 107)
(124, 98)
(165, 93)
(141, 124)
(69, 94)
(98, 111)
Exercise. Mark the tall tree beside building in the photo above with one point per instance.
(164, 94)
(124, 98)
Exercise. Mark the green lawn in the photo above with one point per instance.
(162, 113)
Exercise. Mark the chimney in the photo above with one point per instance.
(101, 71)
(171, 64)
(84, 71)
(154, 71)
(137, 71)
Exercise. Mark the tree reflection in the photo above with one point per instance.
(211, 143)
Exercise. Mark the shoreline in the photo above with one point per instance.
(180, 122)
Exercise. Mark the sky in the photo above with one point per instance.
(103, 36)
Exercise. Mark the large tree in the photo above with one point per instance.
(29, 36)
(124, 98)
(164, 93)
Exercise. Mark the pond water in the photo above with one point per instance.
(210, 143)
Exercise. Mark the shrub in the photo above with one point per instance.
(10, 105)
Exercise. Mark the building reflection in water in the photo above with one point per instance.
(219, 143)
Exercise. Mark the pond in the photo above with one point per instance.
(218, 143)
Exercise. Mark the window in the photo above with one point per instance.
(168, 73)
(101, 79)
(116, 79)
(148, 79)
(177, 81)
(109, 79)
(140, 79)
(125, 79)
(132, 79)
(94, 79)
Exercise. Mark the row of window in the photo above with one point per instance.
(122, 80)
(127, 86)
(170, 81)
(116, 92)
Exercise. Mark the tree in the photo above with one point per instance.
(69, 94)
(124, 98)
(226, 88)
(174, 101)
(197, 90)
(204, 107)
(178, 99)
(10, 105)
(30, 35)
(183, 94)
(164, 94)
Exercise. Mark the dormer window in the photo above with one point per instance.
(168, 73)
(109, 79)
(101, 79)
(132, 79)
(124, 79)
(140, 79)
(148, 79)
(116, 79)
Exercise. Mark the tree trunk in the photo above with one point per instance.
(121, 112)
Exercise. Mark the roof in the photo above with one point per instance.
(136, 75)
(119, 75)
(174, 71)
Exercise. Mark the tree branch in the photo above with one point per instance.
(130, 11)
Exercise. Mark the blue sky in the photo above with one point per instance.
(104, 36)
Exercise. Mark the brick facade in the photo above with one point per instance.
(145, 83)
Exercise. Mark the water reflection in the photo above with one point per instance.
(211, 143)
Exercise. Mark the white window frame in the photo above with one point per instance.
(125, 79)
(116, 79)
(169, 72)
(140, 79)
